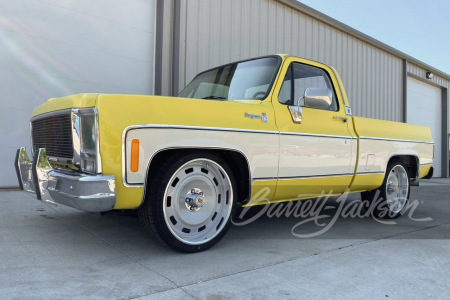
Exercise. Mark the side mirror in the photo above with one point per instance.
(319, 98)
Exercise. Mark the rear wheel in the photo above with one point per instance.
(389, 200)
(189, 206)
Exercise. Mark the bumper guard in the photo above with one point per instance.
(90, 193)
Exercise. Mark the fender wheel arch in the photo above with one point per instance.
(237, 161)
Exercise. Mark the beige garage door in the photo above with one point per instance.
(424, 108)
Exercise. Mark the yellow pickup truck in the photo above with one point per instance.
(278, 123)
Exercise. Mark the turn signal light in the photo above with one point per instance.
(134, 156)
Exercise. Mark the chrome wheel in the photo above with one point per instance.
(198, 201)
(397, 187)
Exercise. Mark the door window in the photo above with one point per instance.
(298, 78)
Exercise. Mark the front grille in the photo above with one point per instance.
(54, 133)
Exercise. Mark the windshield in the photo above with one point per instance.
(250, 79)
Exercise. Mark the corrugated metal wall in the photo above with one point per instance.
(215, 32)
(420, 72)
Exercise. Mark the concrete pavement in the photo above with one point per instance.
(49, 252)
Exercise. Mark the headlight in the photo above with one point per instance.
(86, 139)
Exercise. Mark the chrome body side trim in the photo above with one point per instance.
(319, 135)
(369, 173)
(90, 193)
(159, 126)
(394, 140)
(264, 179)
(302, 177)
(314, 176)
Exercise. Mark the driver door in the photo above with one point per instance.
(316, 154)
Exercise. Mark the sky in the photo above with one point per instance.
(420, 29)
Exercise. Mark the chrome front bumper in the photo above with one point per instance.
(90, 193)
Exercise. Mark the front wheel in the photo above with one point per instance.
(189, 206)
(389, 200)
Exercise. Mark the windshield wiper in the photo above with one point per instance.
(215, 98)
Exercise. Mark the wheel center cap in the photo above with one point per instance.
(392, 188)
(195, 199)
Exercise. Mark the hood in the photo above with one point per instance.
(55, 104)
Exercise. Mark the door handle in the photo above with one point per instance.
(343, 119)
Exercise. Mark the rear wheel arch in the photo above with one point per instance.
(411, 163)
(389, 200)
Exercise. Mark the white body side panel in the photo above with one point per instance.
(309, 156)
(299, 155)
(260, 148)
(375, 153)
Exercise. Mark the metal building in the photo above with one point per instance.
(56, 48)
(381, 82)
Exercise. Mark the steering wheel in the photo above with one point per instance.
(259, 94)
